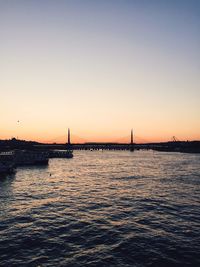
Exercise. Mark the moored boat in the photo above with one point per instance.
(27, 157)
(61, 154)
(7, 165)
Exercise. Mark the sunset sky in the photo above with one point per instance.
(100, 68)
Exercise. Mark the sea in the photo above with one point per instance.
(103, 208)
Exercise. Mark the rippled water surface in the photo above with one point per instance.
(103, 209)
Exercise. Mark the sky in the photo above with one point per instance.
(101, 68)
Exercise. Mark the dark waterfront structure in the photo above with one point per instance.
(60, 153)
(171, 146)
(7, 164)
(30, 158)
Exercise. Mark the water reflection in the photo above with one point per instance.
(6, 193)
(97, 208)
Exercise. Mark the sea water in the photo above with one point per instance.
(103, 208)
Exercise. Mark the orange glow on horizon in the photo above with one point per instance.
(98, 138)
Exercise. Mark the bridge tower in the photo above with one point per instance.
(68, 137)
(69, 146)
(131, 144)
(131, 136)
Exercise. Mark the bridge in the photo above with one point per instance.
(74, 138)
(171, 146)
(94, 145)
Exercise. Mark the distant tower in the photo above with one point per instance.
(131, 144)
(131, 136)
(68, 137)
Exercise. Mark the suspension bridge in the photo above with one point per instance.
(123, 143)
(74, 138)
(78, 143)
(129, 142)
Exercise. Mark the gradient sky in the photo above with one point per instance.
(100, 68)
